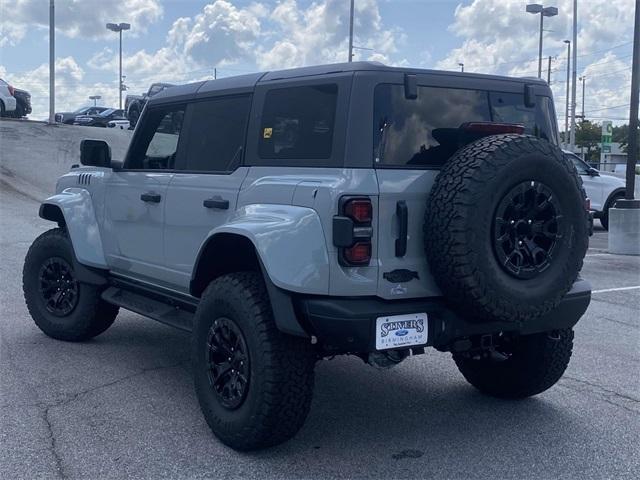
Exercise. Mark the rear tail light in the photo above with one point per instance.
(492, 128)
(587, 204)
(11, 90)
(352, 231)
(359, 210)
(359, 254)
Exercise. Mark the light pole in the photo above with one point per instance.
(566, 108)
(574, 65)
(351, 8)
(119, 27)
(461, 65)
(582, 79)
(536, 8)
(95, 98)
(52, 62)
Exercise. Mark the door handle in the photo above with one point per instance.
(150, 197)
(403, 223)
(218, 203)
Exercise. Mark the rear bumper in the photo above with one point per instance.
(347, 324)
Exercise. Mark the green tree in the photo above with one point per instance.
(621, 136)
(588, 137)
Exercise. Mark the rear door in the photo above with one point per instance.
(413, 138)
(203, 192)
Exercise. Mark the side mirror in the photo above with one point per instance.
(593, 172)
(95, 153)
(117, 164)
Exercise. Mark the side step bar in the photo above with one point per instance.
(172, 315)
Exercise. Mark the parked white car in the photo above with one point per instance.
(602, 189)
(7, 100)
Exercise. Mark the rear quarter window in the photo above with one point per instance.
(298, 123)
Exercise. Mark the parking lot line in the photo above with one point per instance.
(619, 289)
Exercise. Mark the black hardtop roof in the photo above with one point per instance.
(243, 82)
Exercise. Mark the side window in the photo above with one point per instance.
(156, 144)
(422, 132)
(298, 122)
(583, 168)
(215, 140)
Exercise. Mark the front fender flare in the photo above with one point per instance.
(76, 207)
(289, 241)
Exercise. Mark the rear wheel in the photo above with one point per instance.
(61, 306)
(524, 366)
(254, 383)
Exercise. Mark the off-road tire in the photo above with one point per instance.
(535, 364)
(604, 219)
(280, 385)
(91, 315)
(459, 223)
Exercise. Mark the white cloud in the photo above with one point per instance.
(498, 36)
(75, 18)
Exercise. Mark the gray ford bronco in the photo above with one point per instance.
(290, 216)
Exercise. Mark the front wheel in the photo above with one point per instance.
(604, 220)
(253, 382)
(61, 306)
(525, 365)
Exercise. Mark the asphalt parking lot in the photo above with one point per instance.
(123, 404)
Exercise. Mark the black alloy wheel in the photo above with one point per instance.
(526, 229)
(228, 363)
(58, 287)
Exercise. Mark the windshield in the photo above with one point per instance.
(425, 132)
(107, 112)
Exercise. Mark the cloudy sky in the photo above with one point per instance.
(184, 40)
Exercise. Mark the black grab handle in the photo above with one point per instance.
(403, 223)
(150, 197)
(216, 203)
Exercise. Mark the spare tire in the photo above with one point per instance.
(506, 228)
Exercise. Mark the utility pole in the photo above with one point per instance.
(632, 150)
(566, 108)
(549, 71)
(52, 61)
(574, 74)
(215, 73)
(582, 79)
(351, 31)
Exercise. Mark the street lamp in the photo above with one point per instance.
(566, 108)
(536, 8)
(119, 27)
(461, 65)
(95, 98)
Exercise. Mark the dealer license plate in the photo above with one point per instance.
(401, 331)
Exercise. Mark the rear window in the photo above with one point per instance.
(424, 132)
(298, 122)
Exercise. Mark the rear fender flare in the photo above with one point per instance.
(290, 244)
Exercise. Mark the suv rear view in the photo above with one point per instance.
(290, 216)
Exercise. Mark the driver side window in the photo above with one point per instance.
(157, 143)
